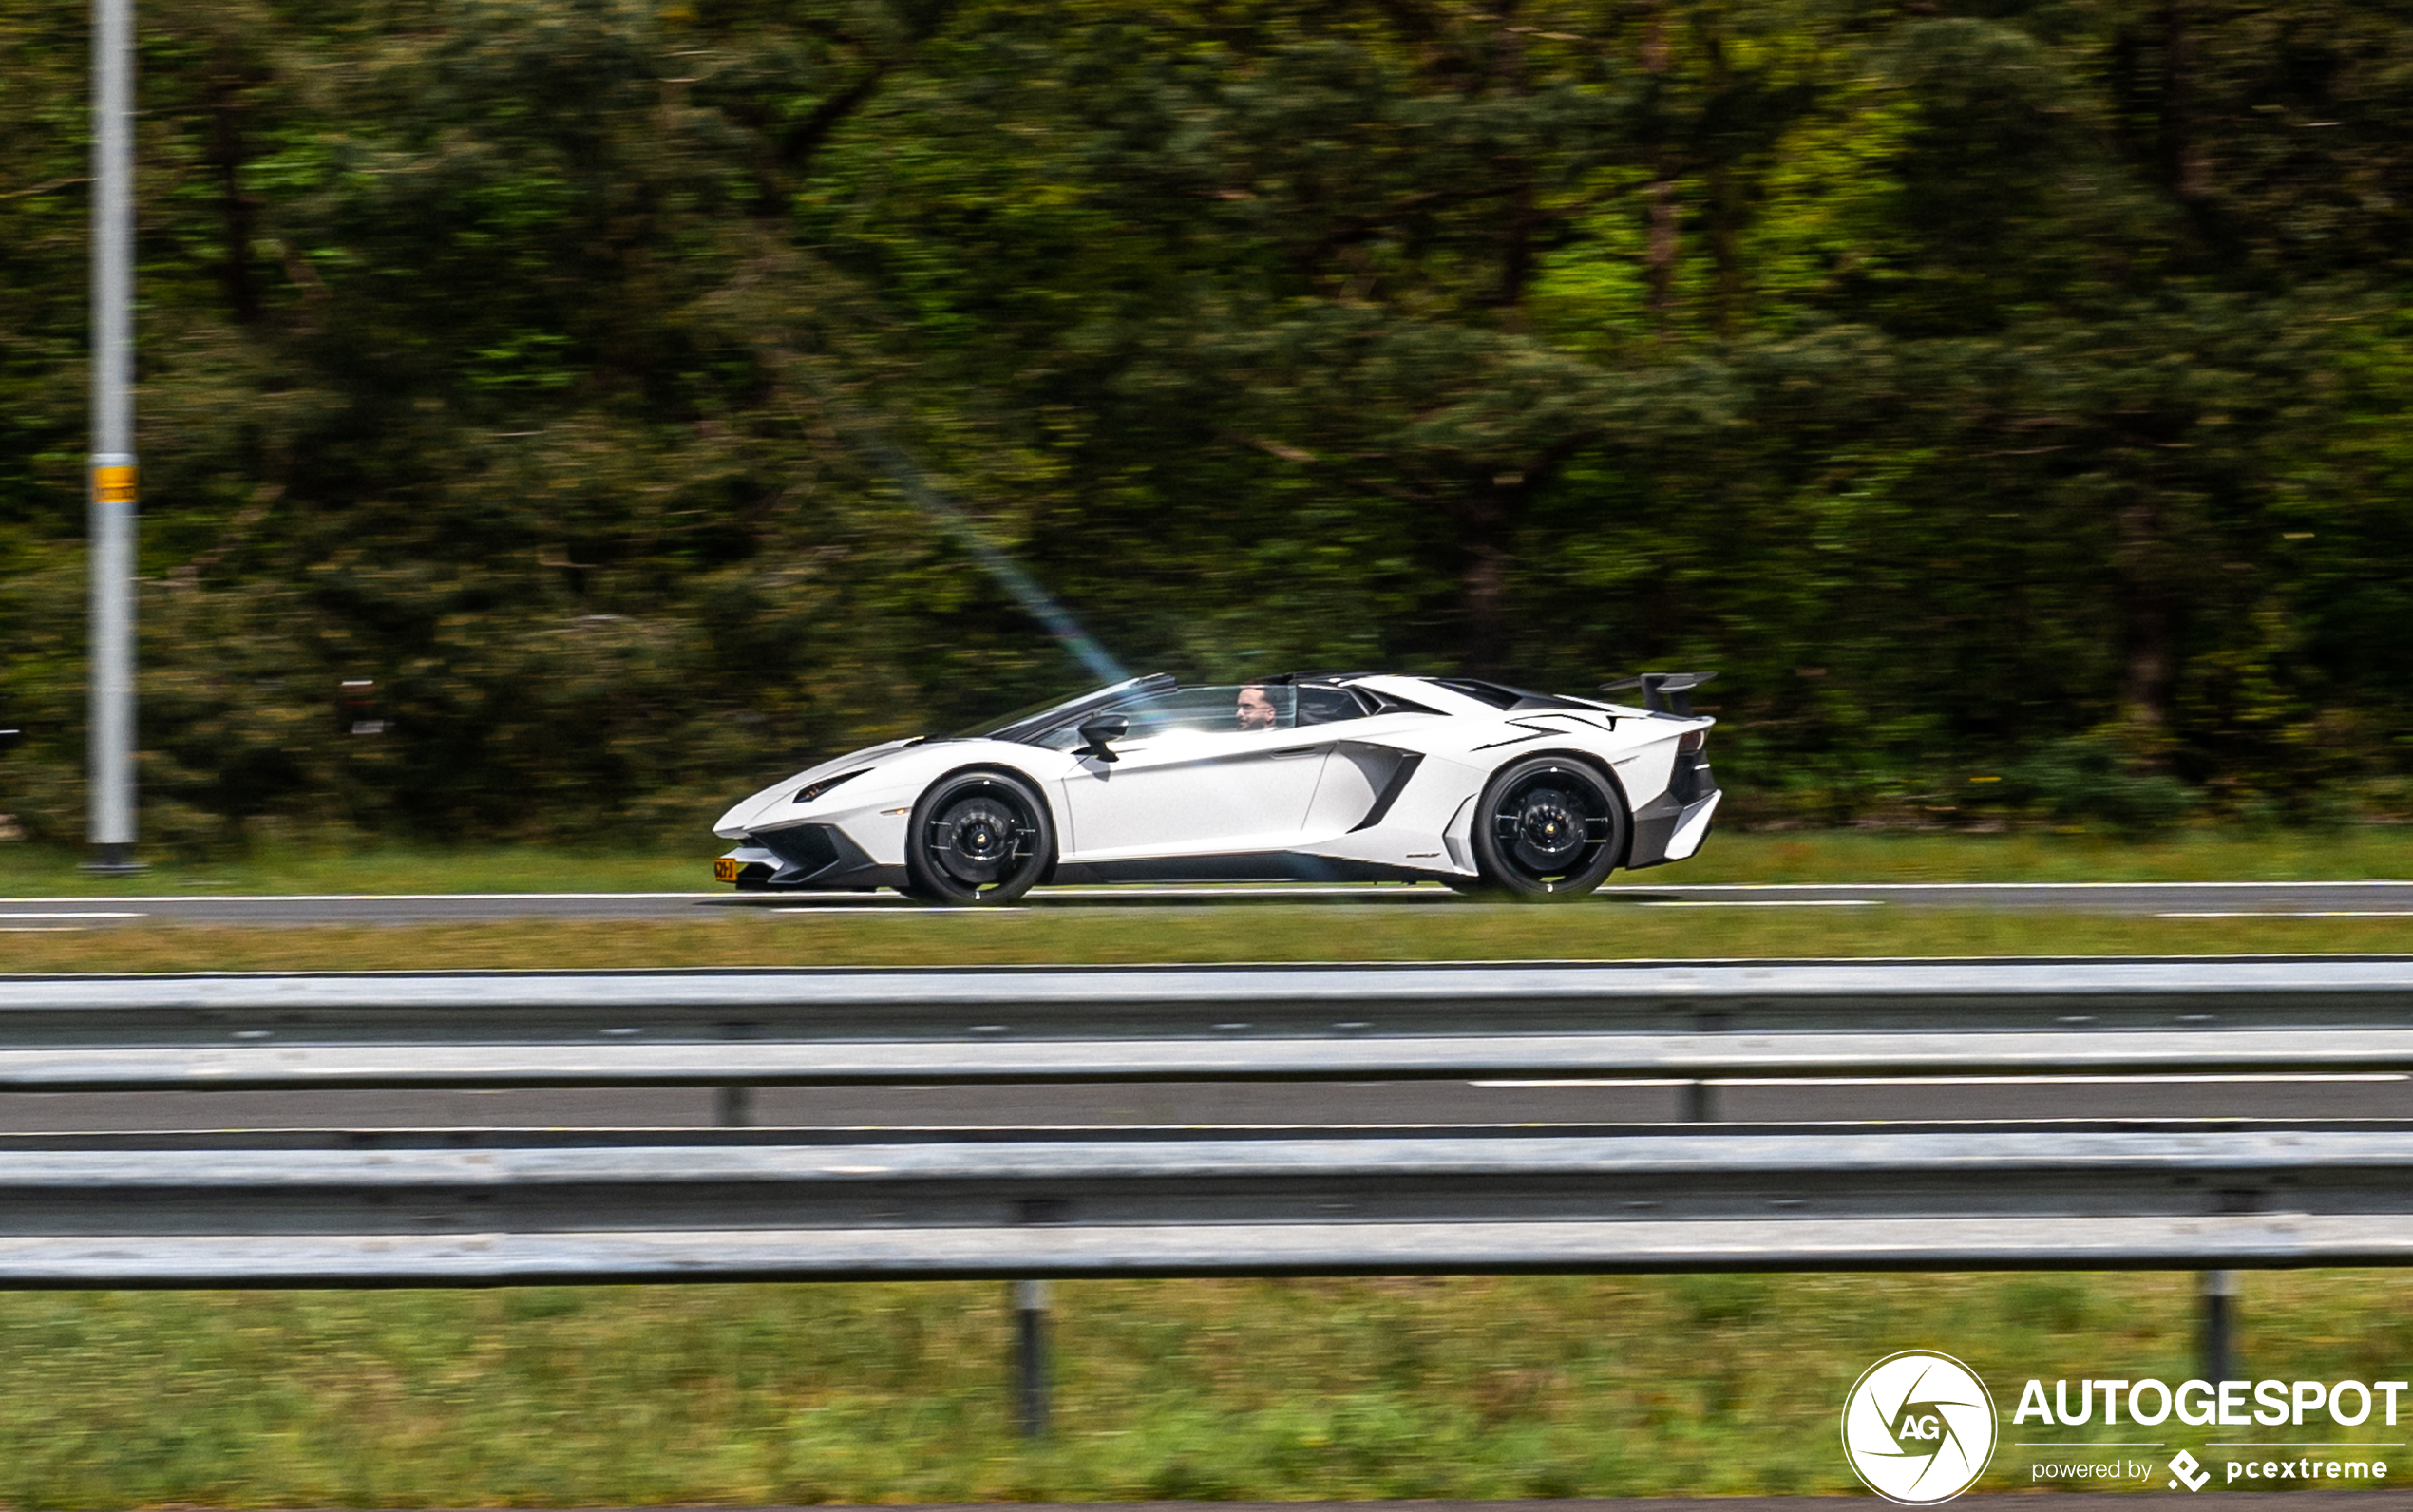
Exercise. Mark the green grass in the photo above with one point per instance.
(745, 1396)
(35, 871)
(1616, 931)
(2348, 853)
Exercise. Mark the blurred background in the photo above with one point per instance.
(536, 395)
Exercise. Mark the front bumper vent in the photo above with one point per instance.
(810, 853)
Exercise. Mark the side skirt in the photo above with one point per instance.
(1256, 867)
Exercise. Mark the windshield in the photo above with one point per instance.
(1026, 725)
(1221, 709)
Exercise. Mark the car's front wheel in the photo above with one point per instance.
(1549, 830)
(977, 838)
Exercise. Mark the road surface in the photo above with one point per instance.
(2373, 899)
(1206, 1105)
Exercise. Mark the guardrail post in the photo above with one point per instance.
(1700, 1095)
(1030, 1334)
(2218, 1287)
(733, 1102)
(734, 1105)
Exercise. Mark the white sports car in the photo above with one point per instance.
(1313, 776)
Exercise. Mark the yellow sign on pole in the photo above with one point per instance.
(113, 485)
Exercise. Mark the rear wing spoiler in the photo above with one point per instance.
(1664, 693)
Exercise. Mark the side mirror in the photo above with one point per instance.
(1098, 732)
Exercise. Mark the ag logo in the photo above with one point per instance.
(1918, 1428)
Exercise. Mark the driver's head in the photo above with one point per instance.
(1255, 711)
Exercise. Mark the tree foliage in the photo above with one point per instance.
(1984, 385)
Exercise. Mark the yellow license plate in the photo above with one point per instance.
(725, 868)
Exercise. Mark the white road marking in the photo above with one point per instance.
(1644, 891)
(1962, 1081)
(1759, 902)
(2300, 912)
(78, 914)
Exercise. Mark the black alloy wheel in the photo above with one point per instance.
(977, 838)
(1550, 828)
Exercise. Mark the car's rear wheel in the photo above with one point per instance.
(1549, 830)
(977, 838)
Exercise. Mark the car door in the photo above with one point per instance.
(1188, 780)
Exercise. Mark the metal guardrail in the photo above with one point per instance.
(2227, 1198)
(754, 1063)
(1663, 1020)
(1293, 1200)
(497, 1208)
(2238, 983)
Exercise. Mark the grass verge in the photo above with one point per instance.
(2347, 853)
(1254, 932)
(747, 1395)
(38, 871)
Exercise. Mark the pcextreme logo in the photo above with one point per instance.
(1918, 1428)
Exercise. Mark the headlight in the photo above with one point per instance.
(814, 790)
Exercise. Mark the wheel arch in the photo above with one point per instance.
(1036, 784)
(925, 875)
(1600, 767)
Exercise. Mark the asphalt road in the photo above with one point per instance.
(1209, 1105)
(2374, 900)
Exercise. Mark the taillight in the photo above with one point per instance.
(1690, 741)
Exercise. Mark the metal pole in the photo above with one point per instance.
(112, 476)
(1030, 1331)
(2218, 1287)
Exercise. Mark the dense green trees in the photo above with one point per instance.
(1991, 388)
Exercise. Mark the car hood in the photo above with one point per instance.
(766, 806)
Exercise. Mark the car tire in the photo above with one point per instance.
(977, 838)
(1549, 830)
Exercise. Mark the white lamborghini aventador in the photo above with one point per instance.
(1316, 776)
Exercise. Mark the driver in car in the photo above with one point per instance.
(1255, 710)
